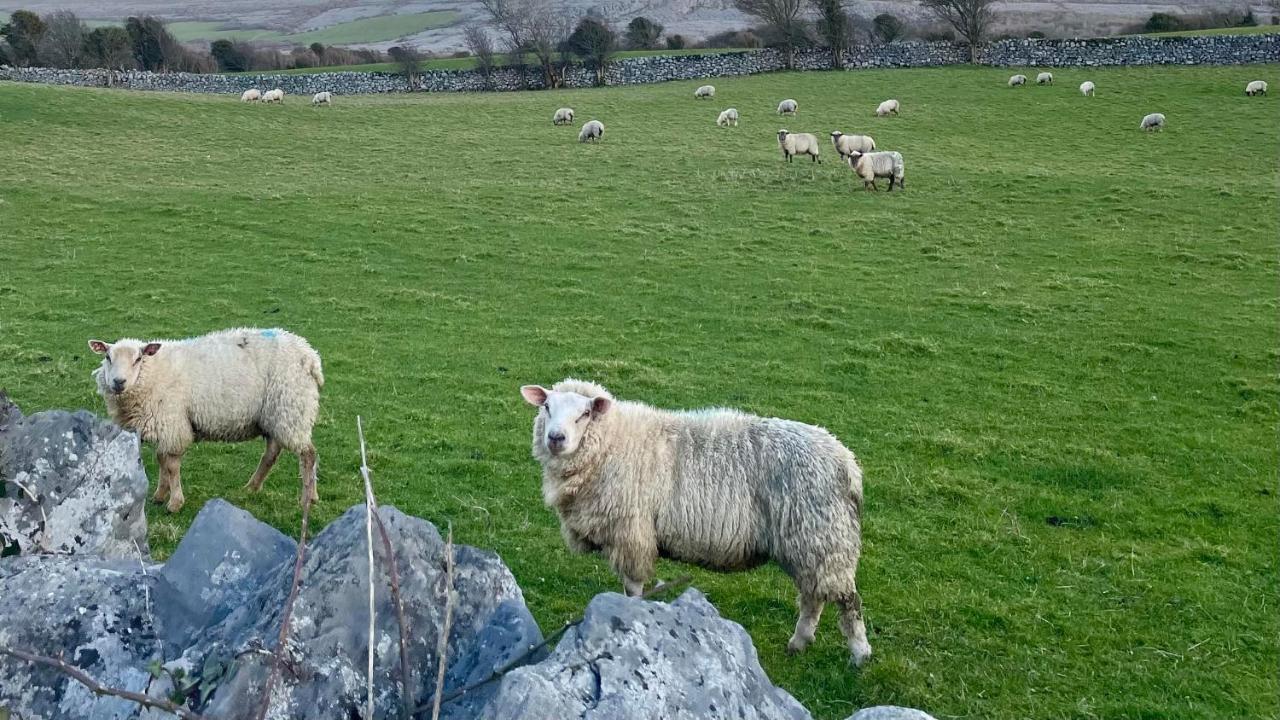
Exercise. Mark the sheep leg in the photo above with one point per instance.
(855, 631)
(632, 557)
(162, 483)
(806, 625)
(307, 461)
(264, 467)
(171, 474)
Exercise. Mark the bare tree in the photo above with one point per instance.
(835, 28)
(970, 18)
(481, 46)
(531, 26)
(62, 45)
(409, 60)
(780, 16)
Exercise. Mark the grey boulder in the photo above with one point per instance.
(70, 484)
(631, 659)
(890, 712)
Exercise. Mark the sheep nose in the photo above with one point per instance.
(555, 438)
(117, 385)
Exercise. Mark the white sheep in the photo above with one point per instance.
(728, 118)
(870, 166)
(1154, 121)
(563, 116)
(706, 91)
(271, 96)
(788, 107)
(592, 131)
(793, 144)
(251, 95)
(227, 386)
(886, 107)
(1017, 80)
(846, 144)
(322, 98)
(718, 488)
(1087, 88)
(1256, 87)
(1044, 78)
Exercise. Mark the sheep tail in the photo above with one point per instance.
(853, 474)
(313, 367)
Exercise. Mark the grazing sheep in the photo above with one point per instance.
(706, 91)
(718, 488)
(251, 95)
(788, 107)
(592, 131)
(870, 166)
(563, 116)
(1087, 87)
(728, 118)
(1017, 80)
(1256, 87)
(793, 144)
(271, 96)
(846, 144)
(322, 98)
(227, 386)
(1154, 121)
(1044, 78)
(886, 107)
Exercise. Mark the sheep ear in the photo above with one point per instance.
(151, 349)
(535, 395)
(601, 405)
(99, 347)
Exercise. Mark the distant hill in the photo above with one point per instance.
(437, 24)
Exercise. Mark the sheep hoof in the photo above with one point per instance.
(860, 654)
(797, 645)
(160, 495)
(175, 503)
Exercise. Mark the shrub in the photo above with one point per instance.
(676, 42)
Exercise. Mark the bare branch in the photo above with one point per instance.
(406, 679)
(523, 658)
(368, 533)
(970, 18)
(282, 645)
(98, 688)
(442, 648)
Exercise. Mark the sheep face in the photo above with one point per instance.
(563, 418)
(122, 363)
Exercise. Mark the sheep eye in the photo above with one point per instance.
(584, 415)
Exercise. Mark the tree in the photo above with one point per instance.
(409, 61)
(1162, 22)
(481, 47)
(62, 44)
(531, 26)
(228, 56)
(888, 28)
(318, 49)
(676, 42)
(23, 32)
(153, 46)
(594, 43)
(643, 34)
(970, 18)
(782, 18)
(833, 26)
(108, 47)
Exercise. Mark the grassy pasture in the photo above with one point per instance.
(1055, 353)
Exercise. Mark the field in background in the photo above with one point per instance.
(468, 63)
(1055, 353)
(1250, 30)
(356, 32)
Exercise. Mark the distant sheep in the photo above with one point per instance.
(592, 131)
(846, 144)
(1044, 78)
(227, 386)
(1154, 121)
(1256, 87)
(563, 116)
(887, 107)
(706, 91)
(793, 144)
(1017, 80)
(870, 166)
(271, 96)
(788, 107)
(1086, 88)
(718, 488)
(322, 98)
(728, 118)
(251, 95)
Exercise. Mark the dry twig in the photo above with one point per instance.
(282, 646)
(442, 649)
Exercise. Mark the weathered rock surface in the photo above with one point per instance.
(87, 481)
(633, 659)
(890, 712)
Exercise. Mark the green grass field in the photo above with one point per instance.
(1248, 30)
(1055, 353)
